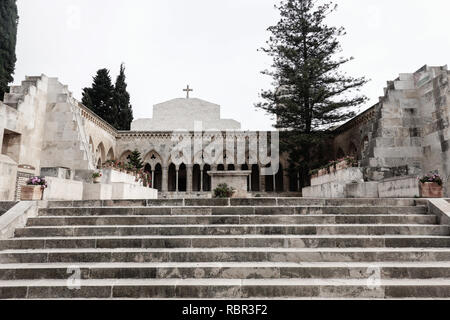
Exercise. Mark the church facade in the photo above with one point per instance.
(42, 125)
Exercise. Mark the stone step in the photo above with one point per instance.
(226, 229)
(231, 241)
(238, 202)
(233, 219)
(219, 270)
(226, 288)
(226, 255)
(319, 210)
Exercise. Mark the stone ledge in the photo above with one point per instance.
(441, 208)
(16, 217)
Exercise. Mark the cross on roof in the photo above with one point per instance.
(187, 90)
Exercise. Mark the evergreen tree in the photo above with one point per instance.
(122, 102)
(135, 160)
(310, 93)
(8, 36)
(100, 98)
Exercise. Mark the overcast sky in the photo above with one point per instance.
(212, 46)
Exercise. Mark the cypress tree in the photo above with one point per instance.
(8, 37)
(310, 92)
(100, 98)
(122, 102)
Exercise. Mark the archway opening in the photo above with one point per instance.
(255, 177)
(157, 184)
(206, 178)
(172, 178)
(279, 179)
(182, 178)
(196, 176)
(244, 167)
(269, 182)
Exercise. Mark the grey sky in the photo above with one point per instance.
(212, 45)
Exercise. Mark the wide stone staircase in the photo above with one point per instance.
(229, 248)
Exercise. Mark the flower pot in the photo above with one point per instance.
(431, 190)
(30, 193)
(97, 179)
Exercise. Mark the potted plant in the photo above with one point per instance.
(34, 190)
(96, 177)
(223, 191)
(431, 186)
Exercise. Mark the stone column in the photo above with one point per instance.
(250, 183)
(165, 179)
(189, 169)
(262, 183)
(176, 183)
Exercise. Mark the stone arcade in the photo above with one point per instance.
(404, 135)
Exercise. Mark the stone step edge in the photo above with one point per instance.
(158, 265)
(440, 282)
(236, 225)
(227, 250)
(238, 236)
(371, 215)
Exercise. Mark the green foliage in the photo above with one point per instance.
(135, 161)
(122, 102)
(310, 93)
(8, 37)
(223, 191)
(99, 98)
(111, 103)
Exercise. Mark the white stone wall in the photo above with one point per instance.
(181, 114)
(8, 174)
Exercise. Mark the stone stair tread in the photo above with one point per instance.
(228, 236)
(269, 250)
(233, 225)
(441, 282)
(382, 264)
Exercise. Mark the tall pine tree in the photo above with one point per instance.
(8, 37)
(122, 102)
(310, 93)
(100, 98)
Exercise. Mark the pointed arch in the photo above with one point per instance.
(124, 155)
(110, 155)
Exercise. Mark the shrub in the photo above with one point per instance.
(223, 191)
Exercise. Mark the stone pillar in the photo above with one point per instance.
(262, 183)
(250, 183)
(165, 179)
(201, 180)
(153, 179)
(176, 183)
(189, 181)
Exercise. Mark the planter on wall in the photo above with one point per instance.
(30, 193)
(97, 179)
(431, 190)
